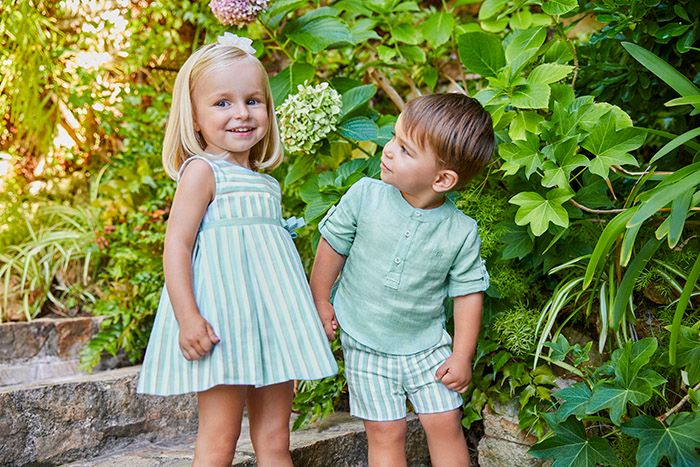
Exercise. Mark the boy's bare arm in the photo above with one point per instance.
(327, 265)
(456, 372)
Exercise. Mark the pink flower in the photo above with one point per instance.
(237, 12)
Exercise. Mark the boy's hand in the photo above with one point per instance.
(196, 337)
(327, 314)
(455, 373)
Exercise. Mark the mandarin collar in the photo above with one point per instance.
(404, 208)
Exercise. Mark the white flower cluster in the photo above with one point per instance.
(308, 116)
(237, 12)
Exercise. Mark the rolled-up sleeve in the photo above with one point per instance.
(468, 272)
(339, 224)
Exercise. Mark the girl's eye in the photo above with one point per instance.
(221, 103)
(252, 101)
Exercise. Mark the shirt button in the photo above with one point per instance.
(397, 260)
(418, 213)
(407, 234)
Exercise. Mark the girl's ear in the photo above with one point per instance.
(445, 180)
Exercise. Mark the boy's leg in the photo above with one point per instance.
(386, 443)
(220, 414)
(269, 408)
(438, 408)
(376, 397)
(446, 442)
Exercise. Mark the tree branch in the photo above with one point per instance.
(382, 81)
(677, 407)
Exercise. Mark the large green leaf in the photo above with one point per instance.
(523, 47)
(569, 446)
(611, 147)
(481, 52)
(490, 8)
(289, 78)
(531, 96)
(615, 398)
(559, 7)
(358, 129)
(521, 154)
(573, 400)
(556, 175)
(663, 70)
(438, 28)
(549, 73)
(631, 358)
(318, 34)
(522, 123)
(538, 212)
(678, 442)
(355, 97)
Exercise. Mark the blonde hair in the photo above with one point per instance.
(182, 141)
(455, 127)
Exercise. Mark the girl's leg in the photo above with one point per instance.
(220, 414)
(386, 443)
(446, 442)
(269, 408)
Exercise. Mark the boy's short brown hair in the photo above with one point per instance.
(455, 127)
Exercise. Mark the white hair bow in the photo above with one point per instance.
(233, 40)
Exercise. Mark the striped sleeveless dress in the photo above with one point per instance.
(250, 285)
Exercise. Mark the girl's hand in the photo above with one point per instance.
(196, 337)
(327, 315)
(455, 373)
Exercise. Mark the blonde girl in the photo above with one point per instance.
(236, 321)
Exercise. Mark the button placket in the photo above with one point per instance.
(404, 240)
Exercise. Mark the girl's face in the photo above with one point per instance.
(230, 109)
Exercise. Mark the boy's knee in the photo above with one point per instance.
(386, 432)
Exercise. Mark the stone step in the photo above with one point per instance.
(43, 349)
(100, 420)
(338, 441)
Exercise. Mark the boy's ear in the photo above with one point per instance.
(445, 180)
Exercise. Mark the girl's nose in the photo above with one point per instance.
(241, 111)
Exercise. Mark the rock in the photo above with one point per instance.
(503, 443)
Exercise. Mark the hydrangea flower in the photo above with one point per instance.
(308, 116)
(237, 12)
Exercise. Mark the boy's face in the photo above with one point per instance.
(407, 166)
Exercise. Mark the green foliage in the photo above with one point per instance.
(618, 394)
(516, 329)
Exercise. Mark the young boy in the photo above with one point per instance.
(403, 248)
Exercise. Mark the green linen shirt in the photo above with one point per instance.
(402, 263)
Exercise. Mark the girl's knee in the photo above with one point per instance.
(271, 438)
(214, 451)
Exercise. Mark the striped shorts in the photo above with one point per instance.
(380, 383)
